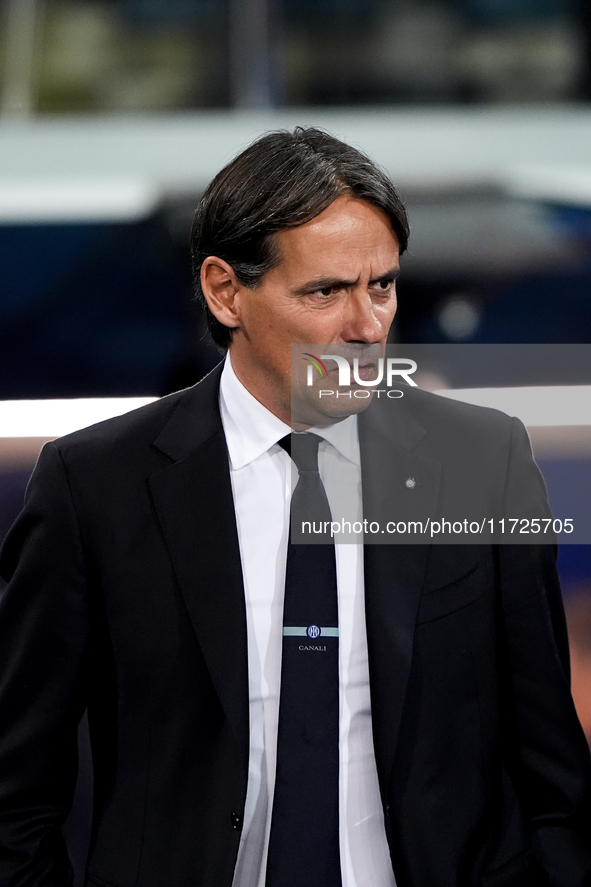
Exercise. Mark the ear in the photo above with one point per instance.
(219, 286)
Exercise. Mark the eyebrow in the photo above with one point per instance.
(320, 283)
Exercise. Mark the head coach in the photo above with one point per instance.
(265, 714)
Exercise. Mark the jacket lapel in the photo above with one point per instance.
(393, 571)
(193, 500)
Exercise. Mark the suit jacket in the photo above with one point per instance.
(125, 597)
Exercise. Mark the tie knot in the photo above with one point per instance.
(303, 449)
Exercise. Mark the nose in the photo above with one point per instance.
(366, 320)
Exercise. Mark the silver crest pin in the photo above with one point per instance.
(410, 483)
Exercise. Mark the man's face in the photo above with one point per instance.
(333, 286)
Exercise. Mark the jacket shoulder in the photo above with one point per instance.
(437, 410)
(195, 410)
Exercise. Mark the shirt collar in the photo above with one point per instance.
(251, 429)
(343, 436)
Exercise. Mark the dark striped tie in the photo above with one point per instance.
(304, 841)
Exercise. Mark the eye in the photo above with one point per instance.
(326, 291)
(384, 285)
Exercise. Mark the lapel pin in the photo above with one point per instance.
(410, 483)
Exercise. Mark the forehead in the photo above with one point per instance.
(346, 232)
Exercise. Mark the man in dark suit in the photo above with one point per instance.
(146, 584)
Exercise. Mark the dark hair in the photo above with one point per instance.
(282, 180)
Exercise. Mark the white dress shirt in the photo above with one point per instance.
(261, 474)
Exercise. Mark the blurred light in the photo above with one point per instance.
(53, 418)
(544, 405)
(558, 183)
(459, 318)
(88, 199)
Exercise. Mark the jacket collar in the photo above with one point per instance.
(194, 420)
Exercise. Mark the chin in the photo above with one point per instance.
(328, 409)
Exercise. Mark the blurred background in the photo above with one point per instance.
(114, 115)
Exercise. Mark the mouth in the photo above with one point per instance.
(367, 371)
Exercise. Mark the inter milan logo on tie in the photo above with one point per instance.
(313, 631)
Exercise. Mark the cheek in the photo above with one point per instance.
(261, 323)
(387, 311)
